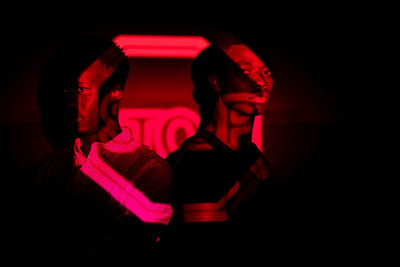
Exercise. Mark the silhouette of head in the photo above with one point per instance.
(80, 89)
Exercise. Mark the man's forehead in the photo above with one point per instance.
(103, 66)
(237, 51)
(242, 55)
(245, 59)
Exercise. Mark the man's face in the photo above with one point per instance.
(83, 108)
(246, 86)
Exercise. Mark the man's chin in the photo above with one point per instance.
(82, 131)
(249, 110)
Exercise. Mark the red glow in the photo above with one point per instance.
(161, 46)
(158, 127)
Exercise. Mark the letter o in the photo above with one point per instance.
(172, 127)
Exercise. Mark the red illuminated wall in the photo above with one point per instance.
(158, 104)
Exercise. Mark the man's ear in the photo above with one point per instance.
(214, 82)
(116, 93)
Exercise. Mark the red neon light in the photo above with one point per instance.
(161, 46)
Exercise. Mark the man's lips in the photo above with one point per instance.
(74, 118)
(244, 97)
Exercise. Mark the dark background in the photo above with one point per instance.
(311, 128)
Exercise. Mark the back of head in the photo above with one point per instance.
(210, 61)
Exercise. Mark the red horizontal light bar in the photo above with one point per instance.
(161, 46)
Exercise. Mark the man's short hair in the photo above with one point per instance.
(64, 68)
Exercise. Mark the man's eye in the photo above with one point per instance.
(243, 72)
(81, 89)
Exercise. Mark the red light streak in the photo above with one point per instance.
(161, 46)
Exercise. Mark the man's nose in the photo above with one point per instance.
(261, 88)
(71, 100)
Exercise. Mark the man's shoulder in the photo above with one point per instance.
(194, 146)
(56, 156)
(51, 161)
(151, 174)
(145, 154)
(147, 161)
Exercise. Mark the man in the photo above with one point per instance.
(100, 191)
(221, 179)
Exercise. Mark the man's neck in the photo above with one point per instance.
(231, 127)
(104, 135)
